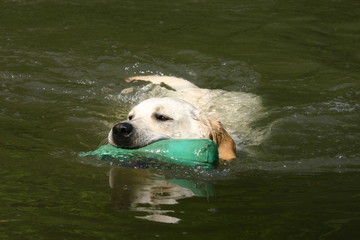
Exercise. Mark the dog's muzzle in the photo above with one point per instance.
(134, 134)
(121, 135)
(122, 129)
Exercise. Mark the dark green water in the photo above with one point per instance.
(61, 61)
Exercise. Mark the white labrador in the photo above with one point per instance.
(185, 111)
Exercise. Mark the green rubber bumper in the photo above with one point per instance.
(187, 152)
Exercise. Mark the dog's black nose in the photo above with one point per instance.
(122, 129)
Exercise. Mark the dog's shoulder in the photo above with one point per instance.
(173, 82)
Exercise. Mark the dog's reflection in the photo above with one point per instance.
(144, 190)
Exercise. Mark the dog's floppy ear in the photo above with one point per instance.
(226, 145)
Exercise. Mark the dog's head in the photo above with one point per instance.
(169, 118)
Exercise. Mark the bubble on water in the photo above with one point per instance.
(340, 156)
(212, 210)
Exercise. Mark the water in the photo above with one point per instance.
(62, 63)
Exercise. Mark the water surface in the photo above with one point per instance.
(62, 63)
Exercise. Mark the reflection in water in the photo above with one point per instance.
(143, 190)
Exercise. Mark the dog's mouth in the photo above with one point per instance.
(132, 145)
(124, 135)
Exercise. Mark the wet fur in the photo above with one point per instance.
(211, 109)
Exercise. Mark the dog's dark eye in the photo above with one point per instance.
(130, 117)
(161, 117)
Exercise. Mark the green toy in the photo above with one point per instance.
(186, 152)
